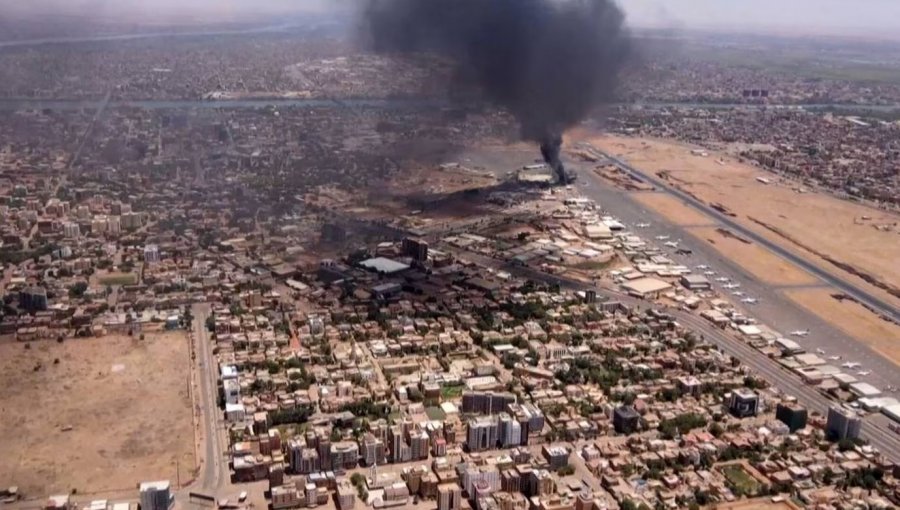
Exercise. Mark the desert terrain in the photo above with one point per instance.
(853, 319)
(758, 261)
(679, 213)
(95, 415)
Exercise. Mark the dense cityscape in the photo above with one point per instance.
(272, 269)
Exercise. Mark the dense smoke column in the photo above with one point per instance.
(550, 149)
(548, 62)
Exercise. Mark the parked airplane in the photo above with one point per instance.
(850, 364)
(661, 238)
(800, 332)
(723, 279)
(750, 300)
(834, 358)
(671, 244)
(702, 267)
(731, 286)
(864, 372)
(738, 293)
(642, 225)
(820, 351)
(709, 273)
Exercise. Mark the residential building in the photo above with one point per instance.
(449, 496)
(626, 420)
(792, 415)
(481, 433)
(743, 403)
(155, 495)
(842, 423)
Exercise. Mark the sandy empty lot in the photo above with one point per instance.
(758, 261)
(672, 208)
(843, 230)
(127, 404)
(758, 504)
(853, 319)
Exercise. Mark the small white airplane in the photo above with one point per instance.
(738, 293)
(709, 273)
(834, 358)
(800, 332)
(661, 238)
(850, 364)
(642, 225)
(820, 351)
(750, 300)
(671, 244)
(702, 267)
(864, 372)
(730, 286)
(723, 279)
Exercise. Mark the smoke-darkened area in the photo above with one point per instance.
(548, 62)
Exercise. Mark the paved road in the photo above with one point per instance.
(214, 472)
(845, 286)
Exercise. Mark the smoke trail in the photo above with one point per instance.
(548, 62)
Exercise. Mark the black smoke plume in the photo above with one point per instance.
(548, 62)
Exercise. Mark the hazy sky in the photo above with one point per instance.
(844, 16)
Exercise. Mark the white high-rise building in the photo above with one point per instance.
(71, 230)
(151, 253)
(113, 225)
(156, 495)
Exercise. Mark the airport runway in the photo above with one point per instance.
(774, 308)
(844, 286)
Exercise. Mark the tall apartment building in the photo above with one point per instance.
(344, 455)
(486, 402)
(156, 495)
(372, 450)
(481, 433)
(842, 423)
(509, 431)
(418, 444)
(449, 496)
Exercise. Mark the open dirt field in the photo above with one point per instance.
(758, 504)
(812, 224)
(758, 261)
(853, 319)
(127, 404)
(673, 209)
